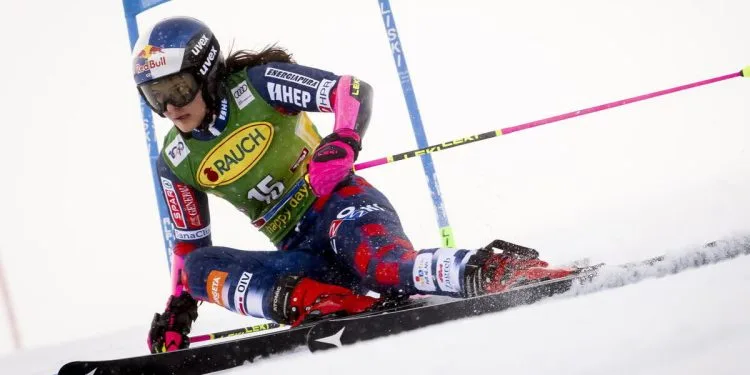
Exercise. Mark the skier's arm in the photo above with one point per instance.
(291, 88)
(188, 212)
(352, 104)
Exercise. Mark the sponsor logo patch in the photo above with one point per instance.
(202, 42)
(240, 151)
(279, 217)
(209, 60)
(242, 95)
(175, 209)
(191, 206)
(177, 150)
(422, 273)
(292, 77)
(191, 235)
(152, 57)
(350, 213)
(354, 213)
(279, 222)
(323, 95)
(148, 51)
(447, 270)
(216, 288)
(224, 110)
(153, 62)
(287, 94)
(240, 293)
(355, 87)
(300, 159)
(300, 195)
(334, 228)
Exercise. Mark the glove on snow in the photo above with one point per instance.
(490, 272)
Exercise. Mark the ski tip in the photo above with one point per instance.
(745, 72)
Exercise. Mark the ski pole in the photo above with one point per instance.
(235, 332)
(745, 72)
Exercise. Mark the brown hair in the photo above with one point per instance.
(244, 59)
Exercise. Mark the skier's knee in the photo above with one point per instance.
(196, 272)
(195, 261)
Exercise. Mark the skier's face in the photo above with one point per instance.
(188, 117)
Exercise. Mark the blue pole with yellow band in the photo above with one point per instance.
(446, 233)
(132, 8)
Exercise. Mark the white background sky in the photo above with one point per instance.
(82, 248)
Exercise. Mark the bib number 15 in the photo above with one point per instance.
(266, 190)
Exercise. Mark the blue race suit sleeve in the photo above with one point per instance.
(294, 88)
(291, 88)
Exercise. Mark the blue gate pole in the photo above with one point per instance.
(132, 8)
(446, 232)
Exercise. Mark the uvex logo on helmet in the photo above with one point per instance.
(198, 49)
(209, 60)
(202, 42)
(149, 60)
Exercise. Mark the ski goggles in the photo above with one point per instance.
(176, 89)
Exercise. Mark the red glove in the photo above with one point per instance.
(333, 160)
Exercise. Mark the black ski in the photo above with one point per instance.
(413, 314)
(221, 356)
(197, 360)
(338, 332)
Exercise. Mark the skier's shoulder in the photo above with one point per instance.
(289, 74)
(171, 135)
(291, 86)
(173, 152)
(172, 141)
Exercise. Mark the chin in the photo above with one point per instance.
(184, 126)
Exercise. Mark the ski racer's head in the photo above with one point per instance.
(176, 67)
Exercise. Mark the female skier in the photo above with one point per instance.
(241, 133)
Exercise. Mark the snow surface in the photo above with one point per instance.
(694, 322)
(697, 322)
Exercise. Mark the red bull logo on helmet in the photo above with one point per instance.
(149, 50)
(152, 57)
